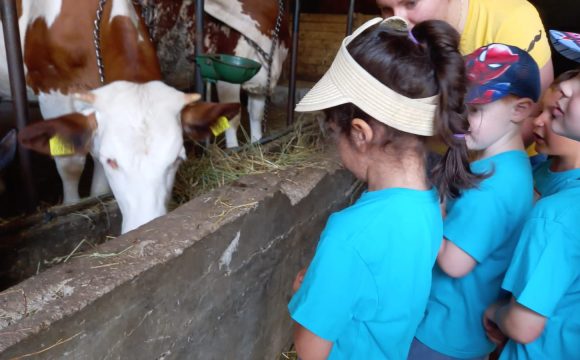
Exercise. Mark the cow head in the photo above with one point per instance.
(135, 132)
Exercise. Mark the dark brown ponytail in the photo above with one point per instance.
(452, 173)
(419, 65)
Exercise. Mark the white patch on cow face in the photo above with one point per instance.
(125, 8)
(139, 143)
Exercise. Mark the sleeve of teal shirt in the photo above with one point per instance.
(327, 300)
(476, 223)
(543, 267)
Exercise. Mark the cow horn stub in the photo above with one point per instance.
(87, 97)
(193, 97)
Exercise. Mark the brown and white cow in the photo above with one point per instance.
(132, 126)
(224, 24)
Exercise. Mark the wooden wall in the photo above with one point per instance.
(320, 38)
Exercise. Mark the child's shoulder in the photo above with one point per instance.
(562, 207)
(382, 212)
(507, 169)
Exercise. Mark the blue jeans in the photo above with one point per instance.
(420, 351)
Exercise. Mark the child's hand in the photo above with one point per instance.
(492, 331)
(298, 280)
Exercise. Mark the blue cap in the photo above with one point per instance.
(566, 43)
(497, 70)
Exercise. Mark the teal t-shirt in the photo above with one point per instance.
(548, 182)
(368, 284)
(544, 276)
(485, 223)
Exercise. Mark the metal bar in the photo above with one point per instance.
(9, 18)
(199, 86)
(292, 85)
(349, 20)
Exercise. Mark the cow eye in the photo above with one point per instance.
(113, 164)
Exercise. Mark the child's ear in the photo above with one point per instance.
(522, 110)
(361, 132)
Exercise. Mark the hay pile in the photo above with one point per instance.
(302, 147)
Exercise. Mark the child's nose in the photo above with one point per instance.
(401, 11)
(540, 120)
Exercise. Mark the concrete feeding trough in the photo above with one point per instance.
(210, 280)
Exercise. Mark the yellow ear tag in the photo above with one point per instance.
(60, 147)
(221, 125)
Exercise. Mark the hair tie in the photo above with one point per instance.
(412, 37)
(459, 136)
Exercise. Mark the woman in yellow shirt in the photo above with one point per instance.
(482, 22)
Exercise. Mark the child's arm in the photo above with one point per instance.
(454, 261)
(308, 345)
(516, 321)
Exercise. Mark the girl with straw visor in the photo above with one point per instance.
(387, 91)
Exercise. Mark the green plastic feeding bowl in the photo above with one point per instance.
(229, 68)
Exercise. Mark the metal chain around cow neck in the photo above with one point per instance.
(147, 13)
(97, 40)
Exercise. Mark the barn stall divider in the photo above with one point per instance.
(209, 280)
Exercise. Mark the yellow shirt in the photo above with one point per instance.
(511, 22)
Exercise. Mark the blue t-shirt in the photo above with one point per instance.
(484, 222)
(544, 276)
(548, 182)
(368, 284)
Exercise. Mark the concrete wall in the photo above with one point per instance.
(32, 244)
(210, 280)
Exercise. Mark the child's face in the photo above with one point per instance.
(548, 142)
(488, 124)
(414, 11)
(566, 114)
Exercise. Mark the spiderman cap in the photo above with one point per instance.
(497, 70)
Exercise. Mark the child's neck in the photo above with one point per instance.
(403, 172)
(565, 162)
(512, 140)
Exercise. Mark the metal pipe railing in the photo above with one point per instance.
(293, 61)
(199, 86)
(9, 18)
(350, 17)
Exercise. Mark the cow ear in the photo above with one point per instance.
(7, 148)
(71, 134)
(198, 118)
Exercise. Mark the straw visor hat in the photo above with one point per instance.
(347, 82)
